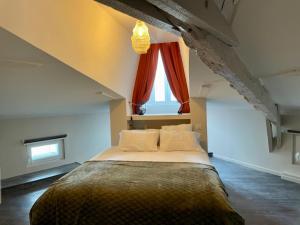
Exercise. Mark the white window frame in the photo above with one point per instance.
(59, 157)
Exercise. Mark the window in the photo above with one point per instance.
(162, 100)
(45, 151)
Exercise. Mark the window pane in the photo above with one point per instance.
(159, 82)
(44, 151)
(161, 100)
(173, 99)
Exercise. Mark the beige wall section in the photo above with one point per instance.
(118, 119)
(199, 119)
(240, 135)
(80, 33)
(87, 135)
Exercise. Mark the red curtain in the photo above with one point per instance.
(170, 53)
(145, 78)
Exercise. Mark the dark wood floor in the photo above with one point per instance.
(262, 199)
(40, 175)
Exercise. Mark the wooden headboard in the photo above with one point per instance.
(156, 122)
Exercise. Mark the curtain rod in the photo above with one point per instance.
(34, 140)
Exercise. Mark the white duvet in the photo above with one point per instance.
(114, 153)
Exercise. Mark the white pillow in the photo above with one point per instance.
(151, 130)
(138, 140)
(178, 141)
(186, 127)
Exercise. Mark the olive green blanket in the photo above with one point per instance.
(137, 193)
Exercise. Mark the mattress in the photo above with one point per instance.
(116, 154)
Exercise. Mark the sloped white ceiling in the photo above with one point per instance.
(81, 34)
(93, 39)
(89, 37)
(207, 84)
(269, 36)
(32, 83)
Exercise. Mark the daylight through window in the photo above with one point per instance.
(45, 151)
(162, 100)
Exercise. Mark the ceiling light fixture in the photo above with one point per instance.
(140, 38)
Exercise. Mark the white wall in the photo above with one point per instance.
(239, 134)
(118, 119)
(87, 135)
(199, 119)
(80, 33)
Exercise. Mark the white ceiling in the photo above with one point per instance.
(269, 36)
(268, 32)
(32, 83)
(205, 83)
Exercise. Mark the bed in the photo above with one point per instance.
(139, 188)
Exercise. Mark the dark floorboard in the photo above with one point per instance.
(40, 175)
(262, 199)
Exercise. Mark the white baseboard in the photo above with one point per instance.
(249, 165)
(290, 177)
(285, 176)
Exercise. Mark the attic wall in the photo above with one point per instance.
(199, 119)
(118, 120)
(87, 136)
(80, 33)
(239, 135)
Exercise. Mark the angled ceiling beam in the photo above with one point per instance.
(202, 13)
(144, 11)
(210, 36)
(223, 60)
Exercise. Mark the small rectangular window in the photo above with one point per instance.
(159, 82)
(45, 151)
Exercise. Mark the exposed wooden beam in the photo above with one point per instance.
(202, 13)
(144, 11)
(203, 33)
(224, 61)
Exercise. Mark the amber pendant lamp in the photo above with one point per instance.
(140, 38)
